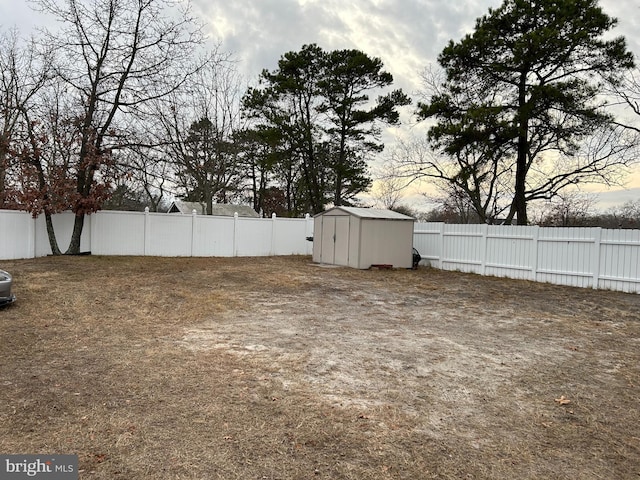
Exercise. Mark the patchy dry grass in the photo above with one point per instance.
(275, 368)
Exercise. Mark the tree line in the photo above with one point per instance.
(124, 106)
(569, 209)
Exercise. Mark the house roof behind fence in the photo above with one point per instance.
(217, 209)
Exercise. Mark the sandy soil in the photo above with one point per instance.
(415, 374)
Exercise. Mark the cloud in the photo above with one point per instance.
(406, 35)
(613, 199)
(258, 33)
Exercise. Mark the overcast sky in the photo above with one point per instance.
(406, 34)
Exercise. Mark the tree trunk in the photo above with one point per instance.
(342, 160)
(53, 242)
(519, 200)
(3, 194)
(208, 199)
(4, 159)
(74, 245)
(338, 195)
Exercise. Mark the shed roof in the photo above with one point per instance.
(376, 213)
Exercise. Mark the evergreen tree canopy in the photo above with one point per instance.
(525, 82)
(320, 103)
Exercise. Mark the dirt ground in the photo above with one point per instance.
(277, 368)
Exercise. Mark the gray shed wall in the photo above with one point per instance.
(386, 242)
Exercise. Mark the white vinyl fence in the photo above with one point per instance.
(157, 234)
(581, 257)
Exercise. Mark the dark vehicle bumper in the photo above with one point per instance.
(7, 300)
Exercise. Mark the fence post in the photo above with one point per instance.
(146, 232)
(92, 229)
(595, 257)
(272, 247)
(194, 217)
(235, 234)
(441, 256)
(483, 249)
(534, 253)
(33, 237)
(308, 232)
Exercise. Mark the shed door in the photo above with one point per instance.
(341, 240)
(328, 233)
(335, 240)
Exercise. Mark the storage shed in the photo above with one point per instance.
(362, 237)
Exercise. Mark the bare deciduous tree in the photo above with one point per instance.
(113, 56)
(23, 73)
(568, 209)
(198, 124)
(463, 179)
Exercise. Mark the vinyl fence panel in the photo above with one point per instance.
(286, 236)
(169, 235)
(158, 234)
(17, 235)
(214, 236)
(463, 248)
(580, 257)
(510, 252)
(428, 240)
(118, 233)
(566, 256)
(253, 237)
(619, 262)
